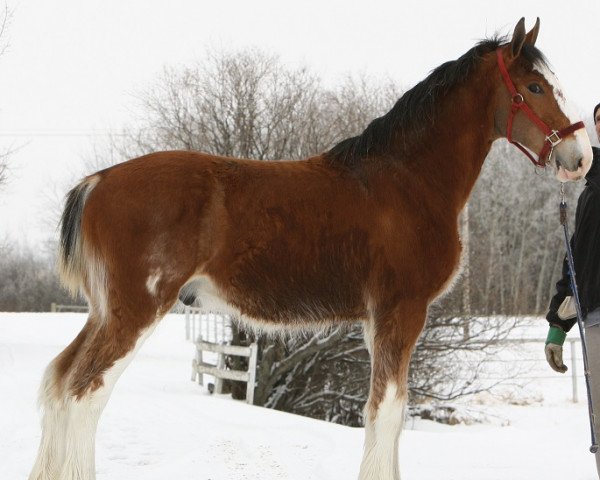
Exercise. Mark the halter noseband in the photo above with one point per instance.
(553, 137)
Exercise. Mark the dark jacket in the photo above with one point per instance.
(585, 244)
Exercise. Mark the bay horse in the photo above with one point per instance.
(366, 231)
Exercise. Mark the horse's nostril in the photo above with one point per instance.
(580, 163)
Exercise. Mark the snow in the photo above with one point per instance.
(160, 425)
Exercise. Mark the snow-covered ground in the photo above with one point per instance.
(160, 425)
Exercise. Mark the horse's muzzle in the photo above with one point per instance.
(572, 158)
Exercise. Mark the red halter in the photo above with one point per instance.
(553, 137)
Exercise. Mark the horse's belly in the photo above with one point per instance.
(276, 299)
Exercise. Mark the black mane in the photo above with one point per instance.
(413, 113)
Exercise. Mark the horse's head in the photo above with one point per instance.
(532, 109)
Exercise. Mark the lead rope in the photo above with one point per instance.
(564, 223)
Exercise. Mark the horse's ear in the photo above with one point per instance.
(518, 38)
(532, 35)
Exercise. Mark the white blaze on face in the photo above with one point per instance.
(566, 107)
(577, 143)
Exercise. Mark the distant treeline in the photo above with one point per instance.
(28, 280)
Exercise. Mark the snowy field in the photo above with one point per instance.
(160, 425)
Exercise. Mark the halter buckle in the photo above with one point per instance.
(554, 138)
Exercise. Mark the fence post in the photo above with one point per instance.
(574, 369)
(252, 373)
(53, 307)
(220, 366)
(195, 334)
(187, 322)
(196, 375)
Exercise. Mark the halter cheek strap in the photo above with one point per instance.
(553, 137)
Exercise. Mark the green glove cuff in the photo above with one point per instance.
(556, 335)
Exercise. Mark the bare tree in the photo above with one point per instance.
(515, 235)
(3, 167)
(327, 376)
(242, 105)
(5, 18)
(246, 104)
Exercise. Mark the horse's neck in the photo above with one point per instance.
(456, 148)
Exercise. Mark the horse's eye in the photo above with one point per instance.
(535, 88)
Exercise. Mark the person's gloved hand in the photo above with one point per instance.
(554, 349)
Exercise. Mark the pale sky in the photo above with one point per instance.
(73, 66)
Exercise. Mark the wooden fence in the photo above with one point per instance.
(541, 371)
(199, 367)
(211, 333)
(210, 326)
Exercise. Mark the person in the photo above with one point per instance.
(585, 244)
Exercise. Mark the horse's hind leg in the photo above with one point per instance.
(51, 398)
(390, 340)
(82, 379)
(90, 385)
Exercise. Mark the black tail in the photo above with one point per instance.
(71, 263)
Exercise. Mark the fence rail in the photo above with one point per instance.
(54, 307)
(532, 353)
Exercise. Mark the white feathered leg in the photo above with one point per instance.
(382, 432)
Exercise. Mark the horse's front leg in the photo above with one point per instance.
(390, 339)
